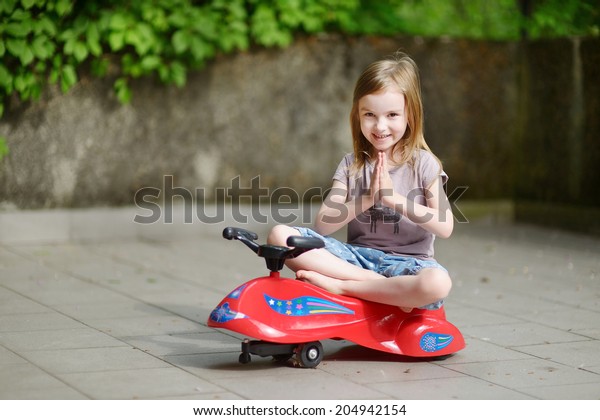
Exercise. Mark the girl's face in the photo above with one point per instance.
(383, 118)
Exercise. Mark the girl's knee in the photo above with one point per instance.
(435, 283)
(279, 234)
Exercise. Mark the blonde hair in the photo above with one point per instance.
(396, 72)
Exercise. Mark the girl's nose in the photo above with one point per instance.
(380, 124)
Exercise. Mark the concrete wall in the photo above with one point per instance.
(558, 159)
(507, 120)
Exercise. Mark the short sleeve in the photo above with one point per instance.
(430, 169)
(342, 173)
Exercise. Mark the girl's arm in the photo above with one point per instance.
(335, 212)
(436, 217)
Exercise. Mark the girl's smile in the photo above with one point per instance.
(383, 119)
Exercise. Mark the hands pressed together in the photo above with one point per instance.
(382, 188)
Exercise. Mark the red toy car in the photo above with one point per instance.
(289, 317)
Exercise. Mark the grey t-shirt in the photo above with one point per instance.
(381, 227)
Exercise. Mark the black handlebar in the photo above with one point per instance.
(235, 233)
(274, 255)
(303, 242)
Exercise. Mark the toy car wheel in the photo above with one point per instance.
(244, 358)
(309, 355)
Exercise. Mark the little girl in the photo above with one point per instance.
(390, 194)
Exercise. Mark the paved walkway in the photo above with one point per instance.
(91, 309)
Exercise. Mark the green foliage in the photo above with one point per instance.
(477, 19)
(554, 18)
(51, 40)
(54, 40)
(3, 148)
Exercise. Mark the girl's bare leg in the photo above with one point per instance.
(428, 286)
(331, 273)
(319, 260)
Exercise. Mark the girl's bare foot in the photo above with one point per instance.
(324, 282)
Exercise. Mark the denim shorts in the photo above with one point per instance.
(388, 265)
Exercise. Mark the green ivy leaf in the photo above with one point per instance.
(42, 47)
(4, 150)
(18, 29)
(266, 29)
(20, 83)
(178, 74)
(44, 24)
(118, 22)
(131, 66)
(122, 90)
(93, 39)
(6, 79)
(178, 19)
(116, 40)
(68, 77)
(63, 7)
(28, 4)
(80, 51)
(150, 63)
(201, 50)
(7, 6)
(180, 41)
(100, 67)
(20, 49)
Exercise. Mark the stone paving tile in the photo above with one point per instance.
(477, 350)
(205, 396)
(496, 299)
(453, 388)
(590, 333)
(568, 319)
(61, 289)
(193, 303)
(92, 360)
(521, 334)
(12, 303)
(293, 385)
(568, 391)
(8, 357)
(371, 372)
(30, 382)
(34, 226)
(181, 344)
(80, 338)
(523, 374)
(145, 325)
(466, 316)
(579, 354)
(146, 383)
(37, 322)
(185, 260)
(123, 308)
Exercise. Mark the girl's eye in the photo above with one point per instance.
(369, 114)
(394, 115)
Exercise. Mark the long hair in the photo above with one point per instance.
(397, 72)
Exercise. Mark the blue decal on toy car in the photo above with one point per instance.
(237, 292)
(431, 342)
(305, 306)
(224, 314)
